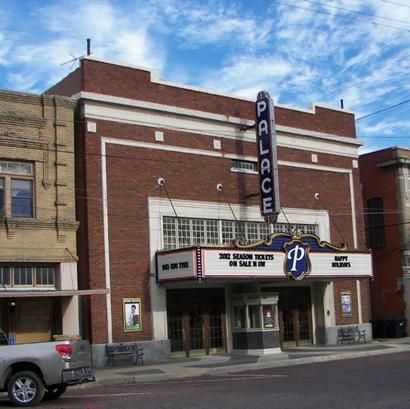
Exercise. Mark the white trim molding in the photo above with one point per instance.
(161, 116)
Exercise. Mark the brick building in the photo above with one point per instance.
(169, 180)
(38, 261)
(385, 175)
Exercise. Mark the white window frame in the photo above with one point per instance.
(33, 272)
(13, 171)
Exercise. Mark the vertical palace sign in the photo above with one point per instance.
(267, 157)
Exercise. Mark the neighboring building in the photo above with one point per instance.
(385, 177)
(38, 261)
(156, 228)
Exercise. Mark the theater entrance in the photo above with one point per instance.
(196, 321)
(295, 316)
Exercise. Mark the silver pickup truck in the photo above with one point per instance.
(30, 373)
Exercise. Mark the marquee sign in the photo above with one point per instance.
(283, 256)
(267, 157)
(177, 265)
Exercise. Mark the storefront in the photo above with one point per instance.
(267, 295)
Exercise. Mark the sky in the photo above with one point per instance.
(302, 52)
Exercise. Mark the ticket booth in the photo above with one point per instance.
(255, 324)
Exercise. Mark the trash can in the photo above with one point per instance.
(398, 328)
(376, 329)
(380, 329)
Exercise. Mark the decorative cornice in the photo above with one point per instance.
(37, 99)
(12, 139)
(21, 223)
(22, 119)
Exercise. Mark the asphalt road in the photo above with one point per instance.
(372, 382)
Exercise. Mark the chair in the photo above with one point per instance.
(360, 334)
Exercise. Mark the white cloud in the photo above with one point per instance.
(238, 47)
(243, 75)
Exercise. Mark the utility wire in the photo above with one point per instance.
(383, 110)
(342, 17)
(239, 224)
(395, 3)
(356, 11)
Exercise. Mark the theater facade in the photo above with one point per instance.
(171, 225)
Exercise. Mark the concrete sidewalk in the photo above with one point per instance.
(178, 368)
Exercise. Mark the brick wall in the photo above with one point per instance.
(39, 130)
(386, 292)
(115, 80)
(132, 174)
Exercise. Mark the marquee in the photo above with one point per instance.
(282, 256)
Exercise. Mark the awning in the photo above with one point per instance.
(6, 293)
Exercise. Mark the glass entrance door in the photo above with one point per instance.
(196, 331)
(196, 321)
(295, 318)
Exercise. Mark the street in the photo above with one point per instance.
(371, 382)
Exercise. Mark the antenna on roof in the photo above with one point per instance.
(88, 46)
(73, 60)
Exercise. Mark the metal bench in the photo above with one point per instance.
(351, 334)
(129, 349)
(345, 334)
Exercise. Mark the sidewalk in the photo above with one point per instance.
(178, 368)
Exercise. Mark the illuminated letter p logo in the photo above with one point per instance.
(296, 254)
(297, 262)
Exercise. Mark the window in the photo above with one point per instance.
(21, 198)
(198, 231)
(244, 166)
(239, 316)
(1, 194)
(16, 189)
(406, 267)
(254, 316)
(184, 232)
(375, 228)
(227, 231)
(27, 275)
(44, 275)
(255, 312)
(23, 275)
(5, 276)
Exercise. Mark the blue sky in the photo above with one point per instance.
(302, 52)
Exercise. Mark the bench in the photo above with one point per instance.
(129, 349)
(350, 334)
(345, 334)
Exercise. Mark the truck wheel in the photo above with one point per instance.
(55, 391)
(25, 389)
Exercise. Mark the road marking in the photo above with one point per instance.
(226, 378)
(107, 394)
(255, 375)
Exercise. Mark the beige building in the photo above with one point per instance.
(38, 263)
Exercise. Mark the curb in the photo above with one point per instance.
(184, 372)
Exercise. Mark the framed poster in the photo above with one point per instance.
(132, 314)
(268, 321)
(346, 302)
